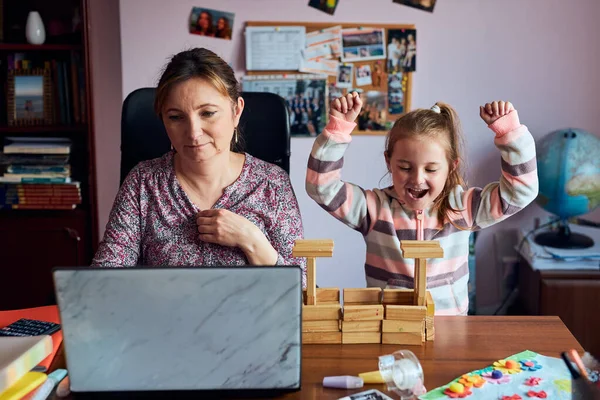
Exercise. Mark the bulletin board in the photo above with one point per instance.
(378, 68)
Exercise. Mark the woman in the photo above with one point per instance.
(204, 24)
(223, 29)
(201, 203)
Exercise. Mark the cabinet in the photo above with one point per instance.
(573, 295)
(35, 240)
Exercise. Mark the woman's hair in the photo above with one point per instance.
(440, 123)
(204, 64)
(210, 29)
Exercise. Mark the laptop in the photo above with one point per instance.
(174, 331)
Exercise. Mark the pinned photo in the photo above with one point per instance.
(212, 23)
(363, 75)
(327, 6)
(373, 116)
(425, 5)
(363, 44)
(402, 50)
(396, 90)
(305, 96)
(344, 78)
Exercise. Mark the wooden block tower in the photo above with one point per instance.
(409, 313)
(321, 309)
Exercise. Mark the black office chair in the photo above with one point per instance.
(264, 128)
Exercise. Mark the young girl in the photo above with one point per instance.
(427, 200)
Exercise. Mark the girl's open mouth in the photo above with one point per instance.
(417, 193)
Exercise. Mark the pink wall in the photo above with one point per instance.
(106, 79)
(539, 54)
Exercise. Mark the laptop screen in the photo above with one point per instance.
(202, 328)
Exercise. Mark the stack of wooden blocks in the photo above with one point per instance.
(371, 315)
(362, 315)
(321, 308)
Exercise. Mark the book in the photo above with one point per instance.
(47, 313)
(18, 355)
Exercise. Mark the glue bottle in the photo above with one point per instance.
(402, 373)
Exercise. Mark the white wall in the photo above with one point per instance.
(540, 54)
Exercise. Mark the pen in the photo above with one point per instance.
(46, 388)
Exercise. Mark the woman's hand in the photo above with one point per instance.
(495, 110)
(346, 107)
(226, 228)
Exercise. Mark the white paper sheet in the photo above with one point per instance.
(330, 37)
(270, 48)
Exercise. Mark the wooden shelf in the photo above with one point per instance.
(43, 128)
(38, 47)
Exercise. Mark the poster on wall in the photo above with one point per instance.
(212, 23)
(425, 5)
(402, 50)
(305, 96)
(327, 6)
(362, 44)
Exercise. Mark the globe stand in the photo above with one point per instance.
(563, 238)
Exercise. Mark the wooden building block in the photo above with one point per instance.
(430, 334)
(405, 313)
(310, 243)
(430, 304)
(363, 313)
(312, 253)
(322, 338)
(398, 296)
(419, 243)
(361, 337)
(331, 325)
(313, 248)
(325, 296)
(362, 296)
(421, 249)
(423, 253)
(361, 326)
(408, 338)
(391, 326)
(311, 279)
(321, 312)
(420, 281)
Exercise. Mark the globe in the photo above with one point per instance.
(568, 162)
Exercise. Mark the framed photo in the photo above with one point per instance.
(305, 96)
(212, 23)
(363, 44)
(29, 97)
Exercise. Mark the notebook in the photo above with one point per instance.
(47, 313)
(209, 329)
(18, 355)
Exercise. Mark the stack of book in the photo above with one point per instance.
(37, 174)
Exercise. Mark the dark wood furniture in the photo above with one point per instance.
(462, 344)
(32, 242)
(572, 295)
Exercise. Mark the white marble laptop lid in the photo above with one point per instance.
(139, 329)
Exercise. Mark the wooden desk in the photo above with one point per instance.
(462, 344)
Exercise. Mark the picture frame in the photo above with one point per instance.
(29, 97)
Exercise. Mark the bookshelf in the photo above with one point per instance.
(55, 229)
